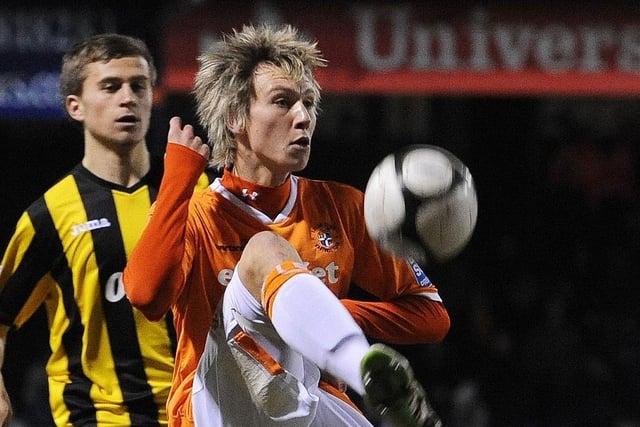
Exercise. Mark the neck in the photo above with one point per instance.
(124, 166)
(249, 168)
(267, 199)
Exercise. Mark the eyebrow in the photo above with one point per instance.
(283, 88)
(137, 77)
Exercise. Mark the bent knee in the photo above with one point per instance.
(270, 249)
(263, 252)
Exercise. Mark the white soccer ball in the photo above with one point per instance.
(421, 203)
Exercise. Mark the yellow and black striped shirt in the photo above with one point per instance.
(109, 364)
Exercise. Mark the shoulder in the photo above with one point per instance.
(57, 194)
(335, 201)
(345, 199)
(56, 199)
(332, 187)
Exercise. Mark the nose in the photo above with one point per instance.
(302, 115)
(128, 95)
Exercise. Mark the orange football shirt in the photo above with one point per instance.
(201, 237)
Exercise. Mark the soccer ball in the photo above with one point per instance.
(421, 203)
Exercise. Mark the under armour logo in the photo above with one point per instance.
(326, 239)
(245, 193)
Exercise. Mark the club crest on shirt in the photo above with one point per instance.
(325, 237)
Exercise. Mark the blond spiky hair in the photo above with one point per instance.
(224, 82)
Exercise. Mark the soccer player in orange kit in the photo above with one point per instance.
(257, 268)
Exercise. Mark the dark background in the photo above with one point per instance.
(543, 301)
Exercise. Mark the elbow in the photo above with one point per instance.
(443, 324)
(438, 324)
(145, 302)
(149, 309)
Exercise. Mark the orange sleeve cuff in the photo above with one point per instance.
(182, 169)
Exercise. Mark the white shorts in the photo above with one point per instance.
(247, 376)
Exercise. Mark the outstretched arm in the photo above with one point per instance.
(409, 319)
(153, 277)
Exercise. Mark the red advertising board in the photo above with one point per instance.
(436, 48)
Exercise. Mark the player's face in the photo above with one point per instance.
(279, 127)
(115, 103)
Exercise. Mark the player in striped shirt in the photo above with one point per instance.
(109, 364)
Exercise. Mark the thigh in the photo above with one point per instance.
(334, 412)
(238, 299)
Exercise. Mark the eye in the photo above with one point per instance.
(138, 87)
(310, 104)
(111, 87)
(283, 102)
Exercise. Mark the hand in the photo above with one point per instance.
(185, 136)
(6, 411)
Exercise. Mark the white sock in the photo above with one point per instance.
(313, 321)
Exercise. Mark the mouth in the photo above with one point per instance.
(302, 142)
(128, 119)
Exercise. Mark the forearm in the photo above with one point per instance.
(4, 331)
(410, 319)
(6, 411)
(153, 276)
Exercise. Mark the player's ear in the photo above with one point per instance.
(235, 124)
(73, 105)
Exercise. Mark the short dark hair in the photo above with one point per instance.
(101, 47)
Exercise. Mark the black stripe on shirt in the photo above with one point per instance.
(76, 394)
(111, 258)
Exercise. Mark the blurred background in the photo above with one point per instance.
(541, 99)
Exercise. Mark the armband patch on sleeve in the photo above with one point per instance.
(419, 274)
